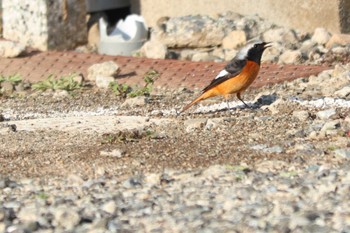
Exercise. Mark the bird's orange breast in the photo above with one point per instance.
(240, 82)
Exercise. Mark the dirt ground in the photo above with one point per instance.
(90, 138)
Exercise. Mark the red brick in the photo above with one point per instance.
(37, 66)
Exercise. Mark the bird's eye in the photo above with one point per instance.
(256, 46)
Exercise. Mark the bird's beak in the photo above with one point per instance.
(267, 45)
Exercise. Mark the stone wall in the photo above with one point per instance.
(306, 15)
(45, 24)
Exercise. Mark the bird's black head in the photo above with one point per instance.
(255, 51)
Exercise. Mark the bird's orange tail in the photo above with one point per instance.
(203, 96)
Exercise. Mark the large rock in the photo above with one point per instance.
(201, 56)
(343, 93)
(321, 36)
(234, 39)
(10, 49)
(154, 49)
(191, 31)
(281, 35)
(45, 25)
(272, 54)
(290, 57)
(106, 69)
(66, 218)
(338, 39)
(104, 81)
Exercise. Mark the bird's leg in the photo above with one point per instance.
(239, 97)
(226, 99)
(228, 106)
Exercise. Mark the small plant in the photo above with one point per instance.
(332, 147)
(67, 83)
(125, 90)
(42, 196)
(14, 79)
(120, 89)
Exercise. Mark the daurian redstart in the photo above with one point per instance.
(237, 75)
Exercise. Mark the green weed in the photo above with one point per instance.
(14, 79)
(67, 83)
(125, 90)
(42, 196)
(120, 89)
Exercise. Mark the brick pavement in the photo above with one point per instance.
(35, 66)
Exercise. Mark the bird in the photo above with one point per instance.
(237, 75)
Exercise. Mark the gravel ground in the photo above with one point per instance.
(93, 162)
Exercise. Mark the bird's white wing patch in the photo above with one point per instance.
(222, 74)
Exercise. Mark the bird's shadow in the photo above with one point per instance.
(126, 75)
(265, 100)
(261, 101)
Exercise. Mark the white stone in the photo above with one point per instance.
(56, 25)
(190, 32)
(66, 218)
(117, 153)
(321, 36)
(344, 153)
(218, 52)
(270, 166)
(330, 125)
(10, 49)
(152, 179)
(104, 81)
(107, 69)
(325, 114)
(234, 40)
(272, 54)
(59, 94)
(301, 115)
(74, 180)
(282, 35)
(6, 86)
(213, 123)
(187, 54)
(109, 207)
(193, 124)
(275, 105)
(154, 49)
(290, 57)
(28, 214)
(343, 93)
(214, 171)
(201, 56)
(340, 70)
(307, 46)
(338, 39)
(340, 50)
(137, 101)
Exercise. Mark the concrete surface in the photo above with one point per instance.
(334, 15)
(86, 124)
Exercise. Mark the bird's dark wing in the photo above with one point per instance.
(233, 68)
